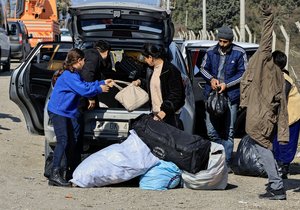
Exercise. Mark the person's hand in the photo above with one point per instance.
(109, 82)
(105, 88)
(92, 104)
(214, 83)
(136, 82)
(221, 87)
(159, 116)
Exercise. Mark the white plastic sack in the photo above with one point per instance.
(216, 175)
(115, 163)
(164, 176)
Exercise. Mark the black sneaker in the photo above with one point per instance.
(274, 194)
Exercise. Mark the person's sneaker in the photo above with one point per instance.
(274, 194)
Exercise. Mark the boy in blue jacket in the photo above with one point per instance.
(63, 112)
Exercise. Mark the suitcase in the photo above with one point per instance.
(188, 152)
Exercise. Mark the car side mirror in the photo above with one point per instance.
(30, 36)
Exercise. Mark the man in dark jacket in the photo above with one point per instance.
(222, 68)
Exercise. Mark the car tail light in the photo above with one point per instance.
(20, 38)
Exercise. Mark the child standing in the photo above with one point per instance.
(63, 112)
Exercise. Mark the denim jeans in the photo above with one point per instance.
(270, 165)
(67, 132)
(221, 129)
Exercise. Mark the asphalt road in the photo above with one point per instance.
(23, 185)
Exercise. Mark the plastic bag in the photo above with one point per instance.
(115, 163)
(165, 175)
(246, 160)
(217, 103)
(215, 177)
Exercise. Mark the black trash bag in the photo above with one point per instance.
(217, 103)
(246, 160)
(48, 165)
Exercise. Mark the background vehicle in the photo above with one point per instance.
(127, 27)
(193, 52)
(4, 39)
(19, 39)
(40, 18)
(65, 35)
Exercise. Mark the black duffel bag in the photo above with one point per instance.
(188, 152)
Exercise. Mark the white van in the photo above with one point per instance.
(4, 39)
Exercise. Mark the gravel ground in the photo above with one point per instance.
(23, 185)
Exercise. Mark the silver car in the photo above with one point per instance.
(127, 27)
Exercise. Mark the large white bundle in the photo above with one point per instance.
(214, 177)
(115, 163)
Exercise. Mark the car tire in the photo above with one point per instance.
(6, 66)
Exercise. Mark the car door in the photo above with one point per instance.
(194, 56)
(26, 38)
(31, 81)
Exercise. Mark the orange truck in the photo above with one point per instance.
(40, 18)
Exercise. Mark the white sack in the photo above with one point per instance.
(214, 177)
(115, 163)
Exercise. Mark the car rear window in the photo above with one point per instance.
(109, 23)
(197, 54)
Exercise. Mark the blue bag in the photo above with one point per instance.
(163, 176)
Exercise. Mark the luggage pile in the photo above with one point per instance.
(163, 156)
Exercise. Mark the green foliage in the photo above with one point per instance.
(62, 6)
(220, 12)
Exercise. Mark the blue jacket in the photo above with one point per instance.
(68, 88)
(235, 65)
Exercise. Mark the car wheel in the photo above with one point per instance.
(6, 66)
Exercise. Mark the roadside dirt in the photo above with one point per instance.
(23, 185)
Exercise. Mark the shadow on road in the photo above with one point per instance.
(5, 73)
(14, 119)
(291, 184)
